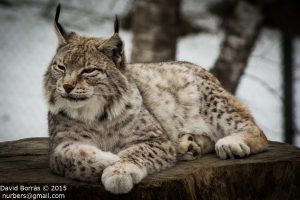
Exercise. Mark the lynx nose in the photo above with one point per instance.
(68, 88)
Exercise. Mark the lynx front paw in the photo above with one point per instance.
(187, 148)
(230, 147)
(120, 177)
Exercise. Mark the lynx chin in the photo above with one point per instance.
(115, 122)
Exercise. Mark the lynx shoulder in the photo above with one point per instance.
(115, 122)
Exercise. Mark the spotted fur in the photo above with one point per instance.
(119, 122)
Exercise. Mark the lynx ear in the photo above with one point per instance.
(114, 46)
(62, 34)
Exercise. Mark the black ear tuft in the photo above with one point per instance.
(61, 29)
(117, 24)
(57, 13)
(61, 33)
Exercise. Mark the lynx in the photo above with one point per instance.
(115, 122)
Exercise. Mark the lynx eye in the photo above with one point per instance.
(88, 71)
(61, 67)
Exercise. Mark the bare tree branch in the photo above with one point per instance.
(266, 86)
(155, 30)
(242, 29)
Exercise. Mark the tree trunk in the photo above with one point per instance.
(241, 31)
(288, 21)
(273, 174)
(155, 28)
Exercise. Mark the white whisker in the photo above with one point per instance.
(104, 94)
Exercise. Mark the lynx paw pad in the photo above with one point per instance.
(187, 148)
(231, 148)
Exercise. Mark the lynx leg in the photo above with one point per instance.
(241, 144)
(136, 162)
(81, 161)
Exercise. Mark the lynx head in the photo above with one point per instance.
(85, 78)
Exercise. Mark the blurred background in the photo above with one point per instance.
(252, 46)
